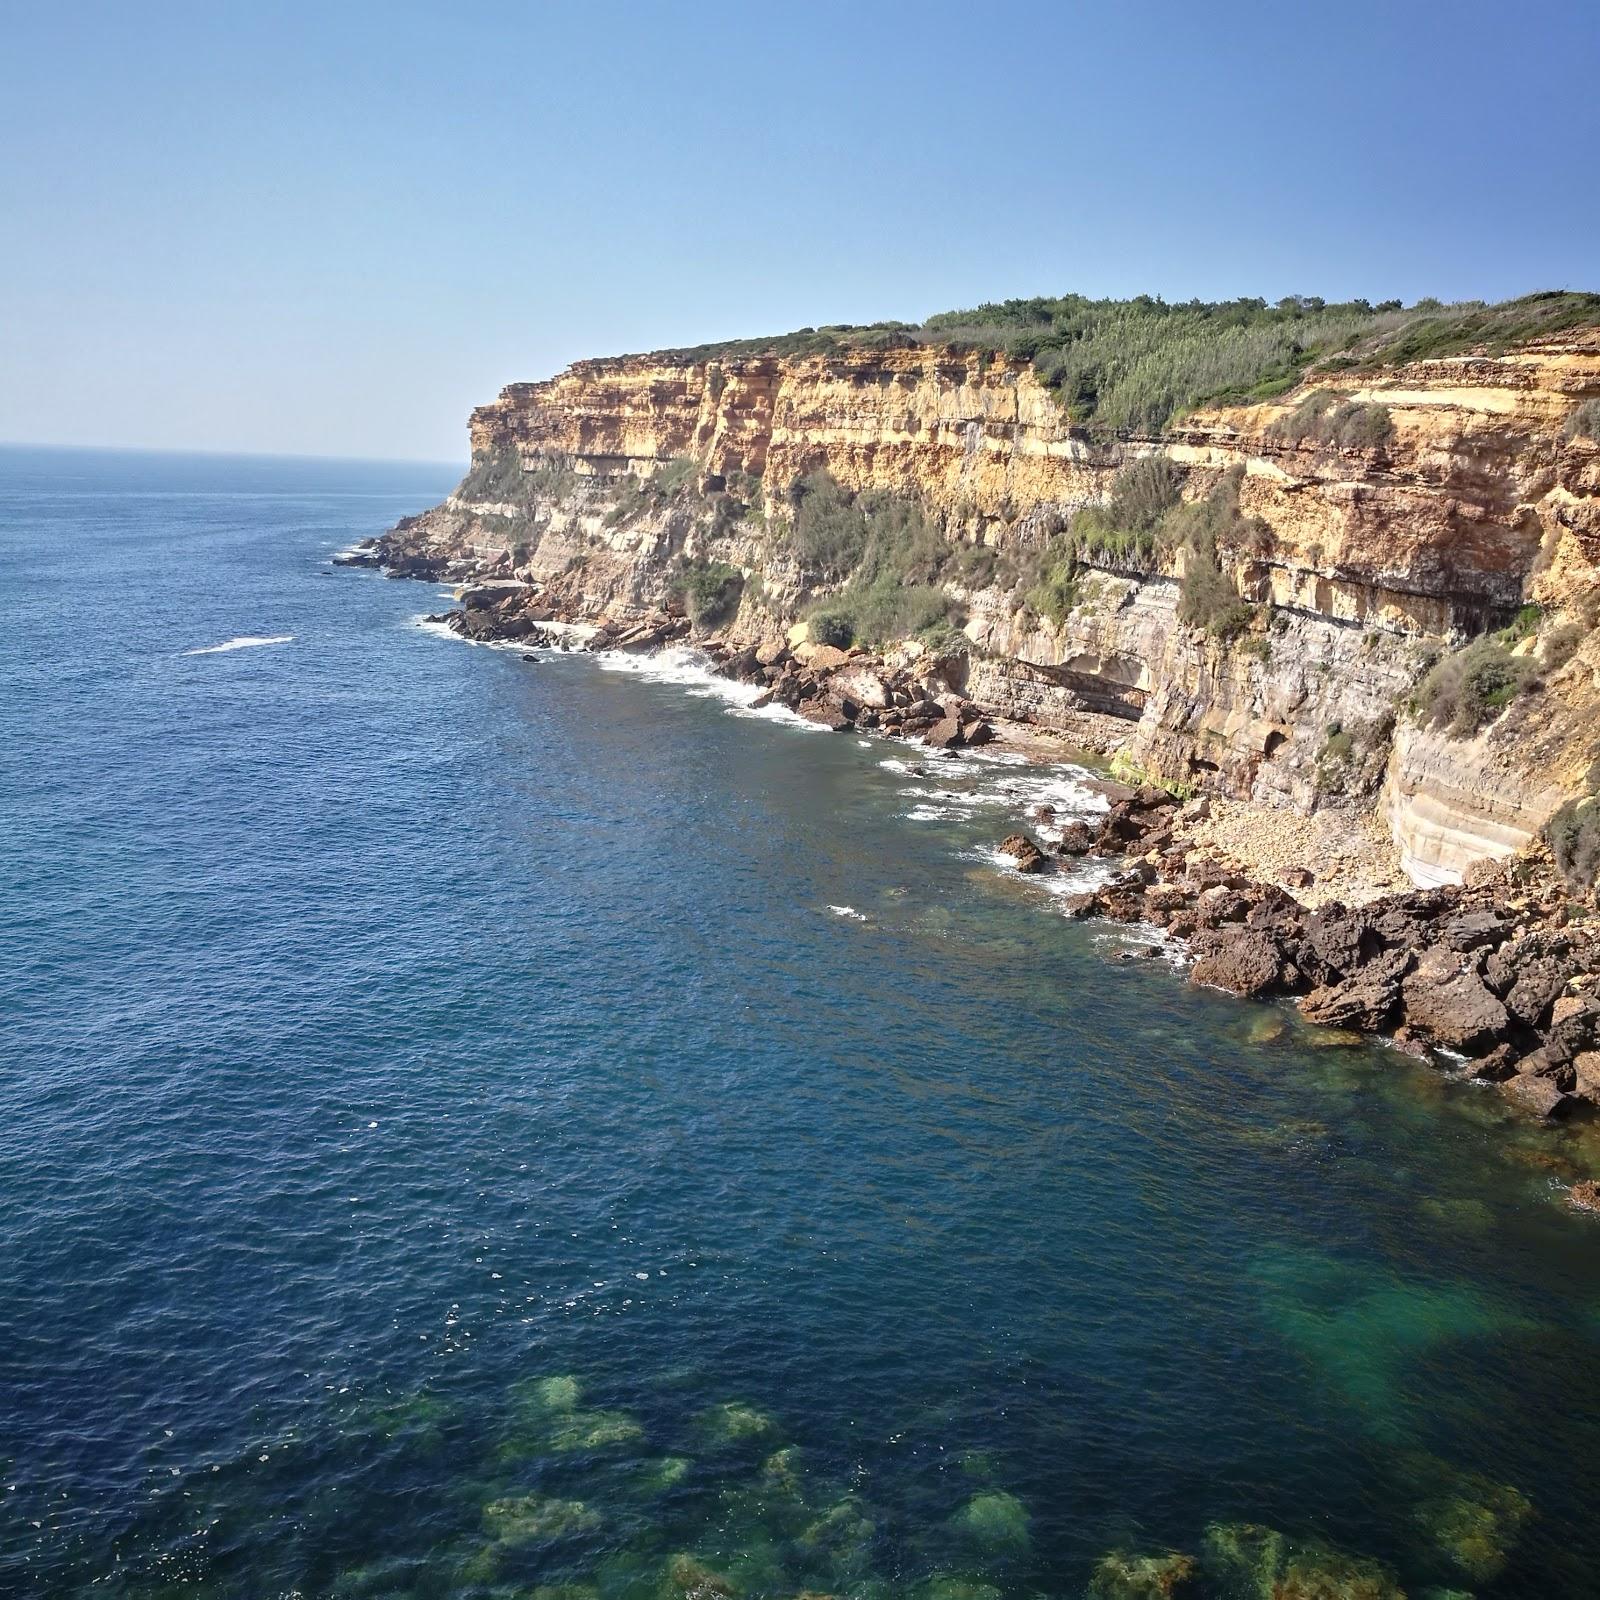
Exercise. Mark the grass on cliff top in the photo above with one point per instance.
(1122, 367)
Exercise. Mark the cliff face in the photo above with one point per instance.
(1373, 557)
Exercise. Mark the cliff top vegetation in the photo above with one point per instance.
(1136, 366)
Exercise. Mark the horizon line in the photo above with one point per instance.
(250, 455)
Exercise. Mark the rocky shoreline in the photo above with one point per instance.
(1494, 979)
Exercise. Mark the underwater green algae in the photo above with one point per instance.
(593, 1430)
(657, 1477)
(1475, 1524)
(1362, 1329)
(955, 1586)
(688, 1578)
(544, 1419)
(735, 1423)
(994, 1519)
(529, 1517)
(1261, 1563)
(1127, 1577)
(841, 1538)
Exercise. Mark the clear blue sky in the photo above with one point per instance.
(333, 228)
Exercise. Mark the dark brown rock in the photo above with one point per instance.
(1077, 838)
(1449, 1003)
(1538, 1095)
(1241, 961)
(1028, 856)
(1366, 1001)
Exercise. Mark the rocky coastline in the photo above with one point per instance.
(1496, 978)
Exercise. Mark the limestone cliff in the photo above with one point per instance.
(1364, 560)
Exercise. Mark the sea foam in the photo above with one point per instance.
(245, 641)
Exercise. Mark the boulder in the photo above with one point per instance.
(1339, 941)
(1538, 1095)
(1586, 1075)
(1473, 930)
(976, 731)
(1538, 985)
(1077, 838)
(945, 735)
(771, 653)
(1366, 1001)
(863, 685)
(1449, 1004)
(1242, 961)
(1028, 856)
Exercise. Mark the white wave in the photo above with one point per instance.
(928, 812)
(245, 641)
(849, 912)
(684, 667)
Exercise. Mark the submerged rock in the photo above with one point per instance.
(1476, 1524)
(996, 1519)
(689, 1578)
(593, 1430)
(656, 1477)
(527, 1518)
(843, 1534)
(1261, 1561)
(734, 1422)
(1125, 1577)
(558, 1394)
(955, 1586)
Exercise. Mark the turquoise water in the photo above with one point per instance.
(455, 1143)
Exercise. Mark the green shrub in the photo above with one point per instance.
(1522, 626)
(1573, 835)
(1207, 598)
(1135, 365)
(880, 613)
(1053, 590)
(1257, 646)
(826, 529)
(710, 590)
(1560, 645)
(976, 565)
(679, 473)
(1466, 690)
(1327, 418)
(496, 475)
(1583, 422)
(1143, 491)
(834, 626)
(1339, 745)
(891, 553)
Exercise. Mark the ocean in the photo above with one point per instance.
(472, 1126)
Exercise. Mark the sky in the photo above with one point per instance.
(334, 228)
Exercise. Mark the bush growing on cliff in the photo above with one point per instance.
(1466, 690)
(710, 590)
(881, 613)
(1053, 593)
(495, 476)
(888, 548)
(1207, 598)
(1327, 418)
(1143, 492)
(1584, 422)
(827, 530)
(1573, 835)
(1134, 366)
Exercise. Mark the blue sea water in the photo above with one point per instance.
(471, 1126)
